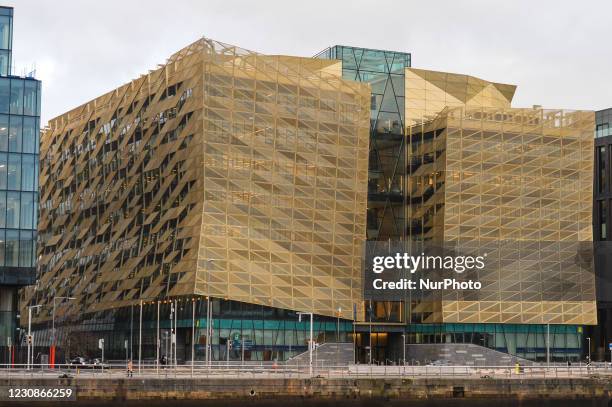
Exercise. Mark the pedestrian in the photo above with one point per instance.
(164, 361)
(130, 369)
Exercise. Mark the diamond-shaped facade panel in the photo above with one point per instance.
(223, 172)
(517, 185)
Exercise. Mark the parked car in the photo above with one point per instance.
(98, 364)
(78, 362)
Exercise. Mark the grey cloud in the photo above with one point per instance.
(557, 52)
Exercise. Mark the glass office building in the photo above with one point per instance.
(602, 203)
(384, 71)
(6, 40)
(19, 141)
(424, 187)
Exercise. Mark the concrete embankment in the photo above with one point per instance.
(242, 389)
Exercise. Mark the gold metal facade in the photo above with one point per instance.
(515, 184)
(223, 172)
(430, 92)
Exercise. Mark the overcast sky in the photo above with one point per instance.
(559, 53)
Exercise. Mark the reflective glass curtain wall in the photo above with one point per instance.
(19, 139)
(603, 165)
(384, 71)
(386, 220)
(603, 123)
(6, 40)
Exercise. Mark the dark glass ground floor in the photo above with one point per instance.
(260, 333)
(8, 315)
(528, 341)
(266, 333)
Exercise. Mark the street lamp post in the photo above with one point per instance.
(589, 354)
(208, 352)
(242, 346)
(310, 343)
(208, 349)
(548, 344)
(338, 333)
(404, 348)
(170, 358)
(157, 341)
(338, 325)
(140, 338)
(30, 339)
(370, 335)
(192, 334)
(176, 310)
(53, 328)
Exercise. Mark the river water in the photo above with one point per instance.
(340, 403)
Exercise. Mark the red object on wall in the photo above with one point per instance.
(52, 357)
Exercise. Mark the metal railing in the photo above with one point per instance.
(274, 370)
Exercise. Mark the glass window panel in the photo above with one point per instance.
(5, 62)
(11, 255)
(34, 238)
(12, 210)
(2, 239)
(27, 210)
(14, 171)
(16, 96)
(603, 219)
(37, 136)
(29, 98)
(15, 134)
(373, 60)
(35, 217)
(5, 93)
(25, 249)
(389, 101)
(349, 57)
(389, 122)
(601, 164)
(28, 143)
(3, 170)
(5, 32)
(36, 173)
(378, 83)
(2, 209)
(38, 92)
(27, 172)
(398, 84)
(4, 131)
